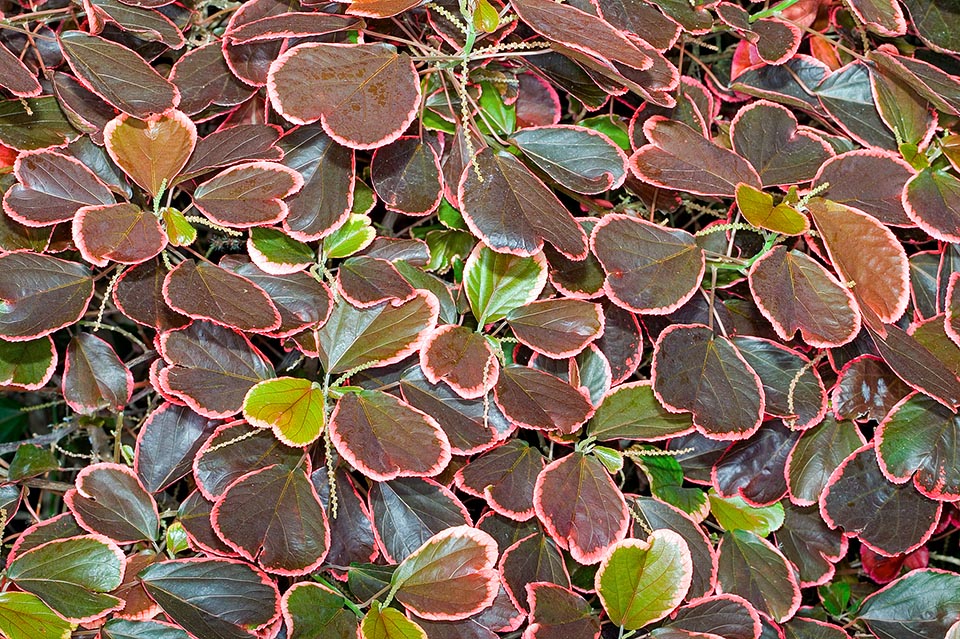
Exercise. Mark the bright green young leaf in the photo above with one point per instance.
(502, 116)
(277, 250)
(29, 364)
(31, 460)
(292, 407)
(733, 513)
(485, 17)
(640, 582)
(24, 616)
(497, 283)
(758, 209)
(666, 483)
(176, 539)
(388, 623)
(355, 235)
(179, 230)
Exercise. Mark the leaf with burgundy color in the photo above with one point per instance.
(212, 368)
(814, 458)
(621, 342)
(16, 237)
(352, 538)
(642, 20)
(166, 445)
(887, 518)
(292, 407)
(251, 62)
(807, 541)
(72, 576)
(406, 176)
(754, 468)
(388, 623)
(866, 389)
(699, 372)
(27, 365)
(383, 334)
(917, 365)
(532, 559)
(505, 477)
(496, 283)
(758, 209)
(273, 516)
(380, 8)
(292, 24)
(110, 500)
(216, 598)
(631, 411)
(58, 527)
(680, 158)
(586, 522)
(512, 211)
(206, 291)
(920, 604)
(582, 279)
(51, 187)
(559, 613)
(934, 23)
(869, 180)
(461, 358)
(408, 512)
(17, 78)
(239, 143)
(538, 400)
(880, 16)
(249, 194)
(734, 513)
(152, 151)
(578, 158)
(557, 328)
(367, 281)
(126, 629)
(846, 96)
(346, 87)
(930, 201)
(727, 615)
(751, 567)
(650, 269)
(139, 295)
(314, 610)
(94, 377)
(118, 75)
(122, 233)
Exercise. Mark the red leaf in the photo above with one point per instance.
(16, 77)
(535, 399)
(94, 377)
(32, 306)
(248, 194)
(367, 281)
(462, 358)
(559, 613)
(153, 151)
(557, 328)
(505, 477)
(406, 176)
(121, 233)
(110, 500)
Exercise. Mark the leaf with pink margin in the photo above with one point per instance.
(920, 603)
(902, 109)
(578, 158)
(118, 75)
(345, 86)
(380, 8)
(621, 342)
(697, 371)
(273, 516)
(293, 407)
(632, 411)
(94, 377)
(557, 328)
(731, 615)
(203, 78)
(866, 389)
(166, 444)
(929, 199)
(249, 194)
(807, 541)
(208, 292)
(122, 233)
(917, 365)
(27, 365)
(884, 17)
(17, 78)
(352, 539)
(888, 519)
(649, 268)
(110, 500)
(870, 180)
(314, 610)
(292, 24)
(504, 476)
(381, 335)
(814, 458)
(777, 40)
(642, 20)
(845, 94)
(405, 175)
(211, 368)
(151, 152)
(936, 85)
(559, 613)
(680, 158)
(587, 521)
(388, 623)
(385, 438)
(512, 211)
(754, 468)
(951, 320)
(534, 399)
(367, 281)
(461, 358)
(865, 252)
(138, 294)
(239, 143)
(766, 135)
(753, 568)
(194, 516)
(251, 62)
(534, 558)
(51, 187)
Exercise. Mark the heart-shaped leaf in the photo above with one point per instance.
(406, 176)
(578, 158)
(110, 500)
(122, 233)
(27, 365)
(631, 411)
(505, 477)
(758, 209)
(344, 86)
(531, 559)
(152, 151)
(496, 283)
(930, 200)
(557, 612)
(753, 568)
(869, 180)
(249, 194)
(24, 616)
(292, 407)
(534, 399)
(314, 610)
(640, 582)
(94, 377)
(649, 268)
(388, 623)
(512, 211)
(462, 358)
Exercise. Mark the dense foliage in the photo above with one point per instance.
(480, 319)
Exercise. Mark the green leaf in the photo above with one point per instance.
(24, 616)
(733, 513)
(292, 407)
(631, 411)
(126, 629)
(176, 539)
(923, 603)
(388, 623)
(277, 248)
(355, 235)
(179, 231)
(497, 283)
(503, 117)
(446, 247)
(613, 127)
(313, 610)
(30, 461)
(758, 209)
(666, 483)
(28, 365)
(640, 582)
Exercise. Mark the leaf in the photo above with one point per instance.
(751, 567)
(512, 211)
(367, 281)
(381, 335)
(406, 176)
(680, 158)
(226, 147)
(25, 616)
(385, 438)
(125, 629)
(866, 389)
(313, 610)
(496, 283)
(934, 23)
(918, 439)
(919, 367)
(880, 16)
(640, 582)
(559, 613)
(109, 500)
(138, 294)
(796, 293)
(859, 499)
(922, 603)
(94, 377)
(31, 460)
(557, 328)
(535, 399)
(733, 513)
(273, 516)
(278, 253)
(166, 445)
(122, 233)
(723, 613)
(461, 358)
(578, 158)
(292, 407)
(346, 87)
(581, 507)
(870, 180)
(807, 541)
(211, 368)
(209, 292)
(27, 365)
(532, 559)
(631, 411)
(153, 151)
(291, 24)
(504, 476)
(846, 95)
(356, 234)
(71, 576)
(929, 199)
(388, 623)
(649, 268)
(814, 458)
(758, 209)
(698, 372)
(203, 78)
(118, 75)
(249, 194)
(666, 476)
(215, 598)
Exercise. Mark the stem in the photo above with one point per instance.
(774, 10)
